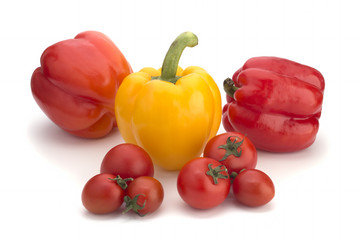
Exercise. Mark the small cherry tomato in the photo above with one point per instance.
(253, 188)
(104, 193)
(232, 149)
(144, 195)
(127, 160)
(203, 183)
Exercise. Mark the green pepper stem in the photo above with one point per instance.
(229, 87)
(171, 60)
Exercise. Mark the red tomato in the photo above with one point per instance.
(102, 194)
(127, 160)
(203, 183)
(253, 188)
(232, 149)
(144, 195)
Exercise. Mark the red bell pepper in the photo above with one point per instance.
(77, 83)
(276, 102)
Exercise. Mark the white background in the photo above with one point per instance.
(43, 169)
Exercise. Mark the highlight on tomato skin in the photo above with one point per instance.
(127, 160)
(253, 188)
(203, 183)
(102, 194)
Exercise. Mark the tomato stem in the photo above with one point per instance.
(233, 175)
(121, 182)
(215, 173)
(131, 204)
(231, 147)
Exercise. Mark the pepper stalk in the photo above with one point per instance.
(229, 87)
(172, 57)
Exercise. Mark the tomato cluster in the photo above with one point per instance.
(229, 159)
(126, 175)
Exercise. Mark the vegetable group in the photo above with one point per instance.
(204, 182)
(126, 176)
(171, 116)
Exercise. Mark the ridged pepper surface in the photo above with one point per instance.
(276, 102)
(77, 83)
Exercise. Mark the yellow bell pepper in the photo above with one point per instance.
(169, 112)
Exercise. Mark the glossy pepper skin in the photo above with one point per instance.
(276, 102)
(171, 113)
(77, 83)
